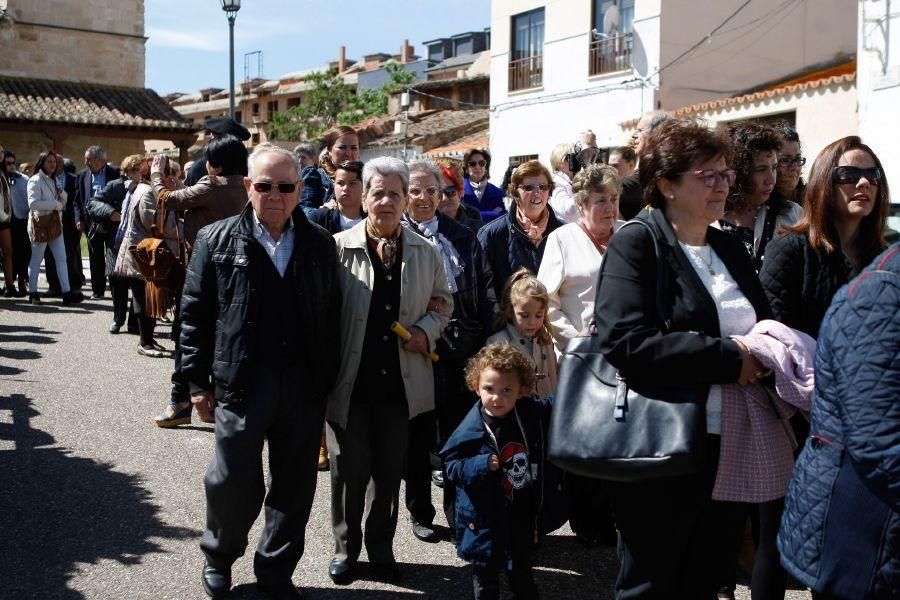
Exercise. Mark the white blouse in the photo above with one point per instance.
(569, 270)
(736, 315)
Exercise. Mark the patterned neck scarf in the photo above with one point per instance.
(453, 265)
(533, 229)
(386, 248)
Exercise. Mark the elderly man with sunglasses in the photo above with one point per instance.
(259, 307)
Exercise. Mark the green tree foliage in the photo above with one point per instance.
(332, 102)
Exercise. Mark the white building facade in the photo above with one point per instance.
(559, 67)
(878, 88)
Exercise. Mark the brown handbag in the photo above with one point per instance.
(45, 228)
(162, 269)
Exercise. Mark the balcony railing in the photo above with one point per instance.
(526, 73)
(610, 54)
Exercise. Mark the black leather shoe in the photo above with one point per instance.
(115, 328)
(437, 478)
(425, 533)
(216, 581)
(340, 571)
(280, 591)
(387, 572)
(72, 298)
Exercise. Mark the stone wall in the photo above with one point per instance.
(111, 52)
(27, 146)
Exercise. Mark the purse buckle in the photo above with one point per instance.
(621, 398)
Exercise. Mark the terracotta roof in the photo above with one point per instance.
(767, 94)
(479, 139)
(437, 84)
(430, 128)
(87, 105)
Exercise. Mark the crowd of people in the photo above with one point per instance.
(405, 321)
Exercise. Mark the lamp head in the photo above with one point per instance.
(231, 6)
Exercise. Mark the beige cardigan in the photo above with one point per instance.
(422, 278)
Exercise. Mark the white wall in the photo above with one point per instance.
(823, 115)
(879, 92)
(766, 40)
(569, 101)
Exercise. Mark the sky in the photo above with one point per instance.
(187, 49)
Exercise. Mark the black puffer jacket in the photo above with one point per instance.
(220, 305)
(801, 281)
(507, 248)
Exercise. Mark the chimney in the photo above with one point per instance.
(405, 51)
(342, 60)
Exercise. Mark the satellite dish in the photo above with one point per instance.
(611, 20)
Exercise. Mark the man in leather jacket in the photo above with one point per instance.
(259, 309)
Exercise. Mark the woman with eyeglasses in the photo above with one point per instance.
(675, 540)
(451, 203)
(469, 325)
(789, 184)
(753, 213)
(845, 209)
(479, 192)
(518, 239)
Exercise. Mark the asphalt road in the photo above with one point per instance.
(97, 502)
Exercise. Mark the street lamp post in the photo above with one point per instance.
(231, 7)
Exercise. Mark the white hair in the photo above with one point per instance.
(95, 152)
(427, 166)
(385, 166)
(270, 149)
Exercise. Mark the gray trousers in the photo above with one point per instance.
(276, 410)
(368, 459)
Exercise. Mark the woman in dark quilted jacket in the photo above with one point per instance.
(840, 533)
(842, 229)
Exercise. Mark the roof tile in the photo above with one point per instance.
(84, 104)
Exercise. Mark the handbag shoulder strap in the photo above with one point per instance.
(661, 319)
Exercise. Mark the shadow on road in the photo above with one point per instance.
(58, 511)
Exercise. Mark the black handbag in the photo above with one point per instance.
(607, 427)
(460, 340)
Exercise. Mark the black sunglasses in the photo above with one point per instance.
(264, 187)
(477, 163)
(854, 174)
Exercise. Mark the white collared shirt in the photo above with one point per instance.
(279, 251)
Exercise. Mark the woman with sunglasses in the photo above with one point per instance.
(845, 210)
(518, 239)
(451, 203)
(479, 192)
(675, 540)
(753, 213)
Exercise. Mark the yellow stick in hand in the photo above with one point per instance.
(405, 335)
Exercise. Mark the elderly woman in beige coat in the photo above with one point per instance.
(388, 274)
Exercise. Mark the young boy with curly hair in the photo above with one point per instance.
(507, 493)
